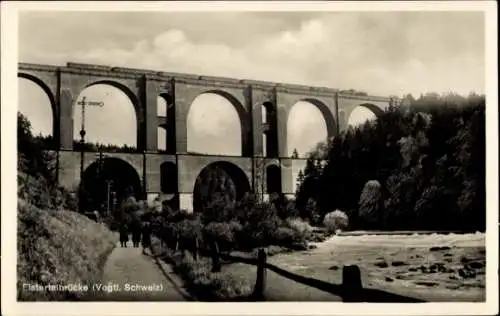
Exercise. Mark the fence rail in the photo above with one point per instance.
(351, 289)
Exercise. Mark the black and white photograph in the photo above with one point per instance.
(211, 152)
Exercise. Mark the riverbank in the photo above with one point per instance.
(402, 232)
(432, 267)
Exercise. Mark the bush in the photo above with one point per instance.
(245, 226)
(218, 209)
(188, 231)
(205, 285)
(36, 190)
(284, 236)
(301, 227)
(225, 234)
(58, 247)
(172, 215)
(312, 211)
(336, 220)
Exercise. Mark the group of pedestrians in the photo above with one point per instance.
(140, 231)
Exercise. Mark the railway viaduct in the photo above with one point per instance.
(173, 173)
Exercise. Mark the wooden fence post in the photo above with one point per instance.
(260, 283)
(216, 266)
(352, 286)
(176, 242)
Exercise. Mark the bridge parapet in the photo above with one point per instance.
(37, 67)
(88, 66)
(301, 89)
(136, 73)
(364, 97)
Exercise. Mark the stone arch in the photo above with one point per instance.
(162, 110)
(124, 181)
(208, 180)
(267, 112)
(328, 116)
(242, 113)
(168, 178)
(53, 104)
(240, 109)
(373, 108)
(123, 88)
(133, 98)
(326, 113)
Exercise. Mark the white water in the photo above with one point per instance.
(415, 240)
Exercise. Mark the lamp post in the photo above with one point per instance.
(84, 103)
(144, 175)
(113, 193)
(102, 179)
(82, 142)
(108, 196)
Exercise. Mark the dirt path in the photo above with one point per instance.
(130, 275)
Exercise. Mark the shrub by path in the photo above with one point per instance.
(130, 266)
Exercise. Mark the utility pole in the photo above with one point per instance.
(102, 179)
(114, 200)
(108, 197)
(84, 103)
(145, 194)
(261, 176)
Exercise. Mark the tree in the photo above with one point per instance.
(33, 159)
(214, 189)
(295, 154)
(370, 203)
(300, 181)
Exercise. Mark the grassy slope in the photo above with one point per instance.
(58, 247)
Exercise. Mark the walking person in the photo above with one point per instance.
(136, 233)
(146, 237)
(123, 234)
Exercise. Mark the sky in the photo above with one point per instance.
(382, 53)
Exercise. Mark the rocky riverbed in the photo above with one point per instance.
(435, 267)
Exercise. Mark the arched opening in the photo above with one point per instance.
(166, 129)
(37, 105)
(219, 180)
(214, 126)
(273, 179)
(106, 183)
(162, 139)
(111, 121)
(264, 114)
(363, 113)
(270, 137)
(168, 174)
(162, 102)
(308, 124)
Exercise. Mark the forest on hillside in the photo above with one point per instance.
(419, 166)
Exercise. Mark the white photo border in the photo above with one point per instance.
(9, 57)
